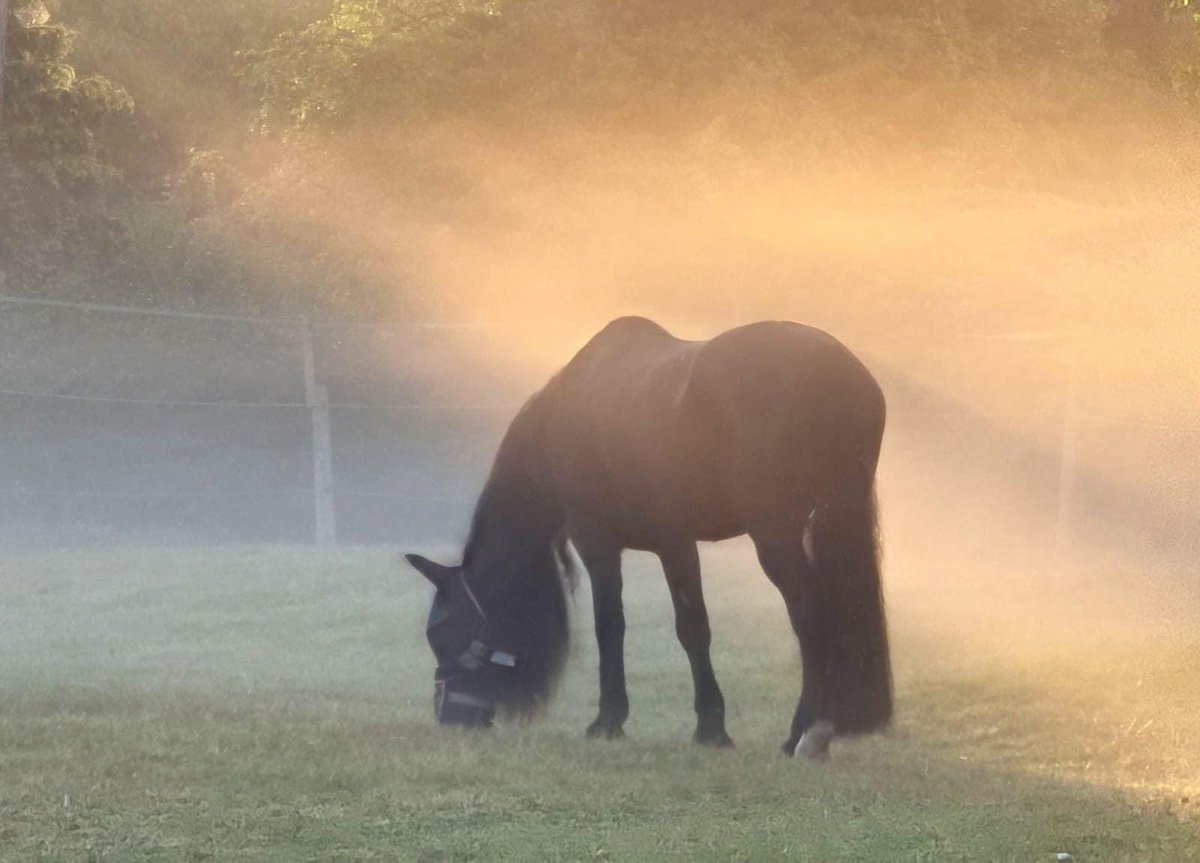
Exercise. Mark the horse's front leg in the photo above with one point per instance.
(603, 562)
(681, 565)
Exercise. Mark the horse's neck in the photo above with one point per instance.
(518, 513)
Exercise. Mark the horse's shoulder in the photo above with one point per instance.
(620, 340)
(633, 326)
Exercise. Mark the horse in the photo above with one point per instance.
(649, 442)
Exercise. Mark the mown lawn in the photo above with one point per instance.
(275, 703)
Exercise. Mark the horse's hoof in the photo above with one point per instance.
(717, 739)
(605, 731)
(814, 743)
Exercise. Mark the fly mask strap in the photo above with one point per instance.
(479, 654)
(471, 595)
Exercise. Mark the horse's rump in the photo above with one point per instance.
(792, 413)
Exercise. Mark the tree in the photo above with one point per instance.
(59, 134)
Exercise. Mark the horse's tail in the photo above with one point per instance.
(848, 597)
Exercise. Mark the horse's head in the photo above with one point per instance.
(472, 674)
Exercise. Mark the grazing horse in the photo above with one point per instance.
(649, 442)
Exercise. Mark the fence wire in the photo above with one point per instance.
(415, 467)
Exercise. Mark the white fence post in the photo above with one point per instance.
(1067, 457)
(317, 398)
(3, 55)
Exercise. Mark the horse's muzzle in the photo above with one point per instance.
(454, 706)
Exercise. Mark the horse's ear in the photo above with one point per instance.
(435, 572)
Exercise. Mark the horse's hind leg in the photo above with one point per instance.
(681, 565)
(782, 555)
(603, 563)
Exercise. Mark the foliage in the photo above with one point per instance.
(207, 181)
(859, 79)
(224, 239)
(1180, 58)
(182, 59)
(64, 136)
(635, 58)
(365, 55)
(58, 124)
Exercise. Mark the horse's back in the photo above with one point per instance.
(628, 367)
(635, 379)
(781, 367)
(764, 356)
(627, 341)
(655, 433)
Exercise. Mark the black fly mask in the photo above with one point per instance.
(472, 672)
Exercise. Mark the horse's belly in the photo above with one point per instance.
(653, 509)
(648, 481)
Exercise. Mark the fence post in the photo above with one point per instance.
(1067, 457)
(3, 55)
(317, 398)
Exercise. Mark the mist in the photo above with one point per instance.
(1010, 247)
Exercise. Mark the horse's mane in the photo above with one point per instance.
(519, 547)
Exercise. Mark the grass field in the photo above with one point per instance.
(276, 703)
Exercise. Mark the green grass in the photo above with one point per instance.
(273, 703)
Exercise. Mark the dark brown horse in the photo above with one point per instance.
(649, 442)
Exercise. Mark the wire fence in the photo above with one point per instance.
(362, 431)
(141, 461)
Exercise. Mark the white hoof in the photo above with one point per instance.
(814, 743)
